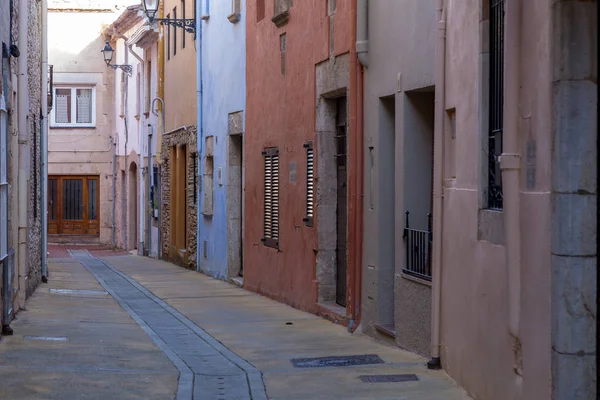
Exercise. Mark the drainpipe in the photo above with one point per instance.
(362, 32)
(148, 202)
(438, 188)
(24, 151)
(199, 124)
(160, 92)
(44, 141)
(114, 204)
(510, 164)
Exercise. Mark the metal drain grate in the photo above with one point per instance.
(47, 338)
(336, 361)
(77, 291)
(389, 378)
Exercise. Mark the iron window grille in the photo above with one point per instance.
(271, 199)
(310, 184)
(496, 128)
(418, 249)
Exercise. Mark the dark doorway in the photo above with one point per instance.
(342, 203)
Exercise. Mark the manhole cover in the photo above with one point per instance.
(47, 338)
(389, 378)
(336, 361)
(77, 291)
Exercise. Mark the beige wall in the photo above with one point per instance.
(77, 59)
(477, 348)
(398, 103)
(180, 72)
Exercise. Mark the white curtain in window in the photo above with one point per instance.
(62, 109)
(84, 106)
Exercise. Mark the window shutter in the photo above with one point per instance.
(271, 198)
(310, 183)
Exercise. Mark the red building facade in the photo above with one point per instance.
(303, 157)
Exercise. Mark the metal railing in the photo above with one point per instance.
(418, 249)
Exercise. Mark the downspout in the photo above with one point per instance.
(44, 141)
(24, 151)
(160, 92)
(199, 135)
(438, 188)
(362, 32)
(356, 189)
(148, 201)
(114, 204)
(510, 165)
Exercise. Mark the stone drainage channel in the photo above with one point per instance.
(207, 369)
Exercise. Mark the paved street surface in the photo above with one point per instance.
(115, 326)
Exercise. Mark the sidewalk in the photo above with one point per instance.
(262, 332)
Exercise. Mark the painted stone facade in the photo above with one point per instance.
(223, 99)
(25, 280)
(306, 78)
(183, 136)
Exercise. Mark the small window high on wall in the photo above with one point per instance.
(75, 107)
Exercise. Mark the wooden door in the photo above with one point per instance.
(73, 205)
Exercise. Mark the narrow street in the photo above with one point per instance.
(110, 325)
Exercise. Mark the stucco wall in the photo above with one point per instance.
(77, 59)
(224, 77)
(401, 60)
(180, 72)
(474, 278)
(281, 113)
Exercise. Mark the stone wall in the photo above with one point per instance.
(574, 200)
(177, 138)
(34, 66)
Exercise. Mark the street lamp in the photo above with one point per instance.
(108, 56)
(151, 8)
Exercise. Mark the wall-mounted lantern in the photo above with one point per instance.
(151, 8)
(108, 53)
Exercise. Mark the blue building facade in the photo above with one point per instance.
(221, 139)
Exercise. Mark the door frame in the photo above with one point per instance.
(85, 199)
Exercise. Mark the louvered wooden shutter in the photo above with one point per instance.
(310, 183)
(271, 208)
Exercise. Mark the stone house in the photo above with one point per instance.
(178, 146)
(497, 100)
(224, 98)
(21, 131)
(302, 159)
(82, 135)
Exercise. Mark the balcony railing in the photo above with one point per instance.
(418, 249)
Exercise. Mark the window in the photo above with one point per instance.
(168, 39)
(310, 183)
(282, 49)
(183, 16)
(75, 107)
(496, 103)
(209, 178)
(174, 33)
(260, 10)
(271, 211)
(148, 88)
